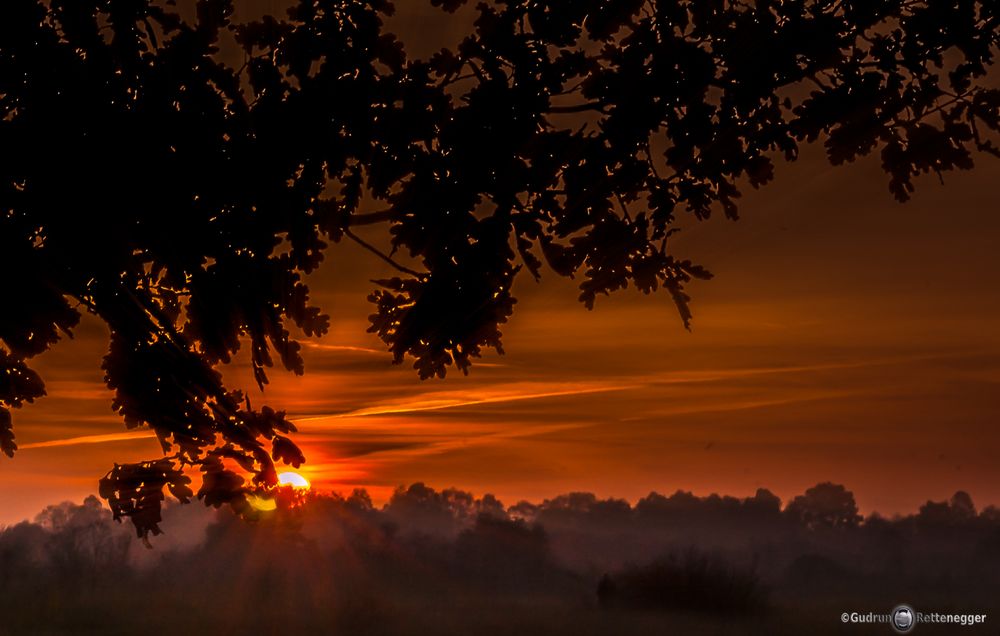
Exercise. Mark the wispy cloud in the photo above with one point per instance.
(435, 401)
(319, 346)
(89, 439)
(742, 405)
(544, 390)
(716, 375)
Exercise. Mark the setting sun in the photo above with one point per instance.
(262, 504)
(294, 480)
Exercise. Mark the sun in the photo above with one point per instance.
(294, 480)
(262, 504)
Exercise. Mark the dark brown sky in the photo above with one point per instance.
(845, 338)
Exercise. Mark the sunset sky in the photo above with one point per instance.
(845, 338)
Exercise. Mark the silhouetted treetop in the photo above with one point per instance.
(181, 199)
(825, 505)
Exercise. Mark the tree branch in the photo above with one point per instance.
(576, 108)
(370, 218)
(374, 250)
(347, 219)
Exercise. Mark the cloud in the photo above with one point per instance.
(90, 439)
(439, 400)
(322, 346)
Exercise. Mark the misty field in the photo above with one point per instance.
(433, 562)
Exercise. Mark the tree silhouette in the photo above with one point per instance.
(181, 200)
(825, 505)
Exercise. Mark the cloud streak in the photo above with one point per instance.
(89, 439)
(436, 401)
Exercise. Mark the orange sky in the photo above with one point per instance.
(845, 338)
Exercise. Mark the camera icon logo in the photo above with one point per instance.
(903, 619)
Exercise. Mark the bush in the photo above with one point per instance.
(690, 582)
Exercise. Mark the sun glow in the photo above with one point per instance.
(262, 504)
(294, 480)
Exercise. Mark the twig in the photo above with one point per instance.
(374, 250)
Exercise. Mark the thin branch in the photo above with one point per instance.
(388, 259)
(570, 90)
(476, 70)
(624, 207)
(370, 218)
(457, 78)
(346, 219)
(150, 33)
(576, 108)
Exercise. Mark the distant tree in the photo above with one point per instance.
(430, 511)
(692, 582)
(502, 550)
(181, 200)
(763, 502)
(825, 505)
(961, 504)
(944, 514)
